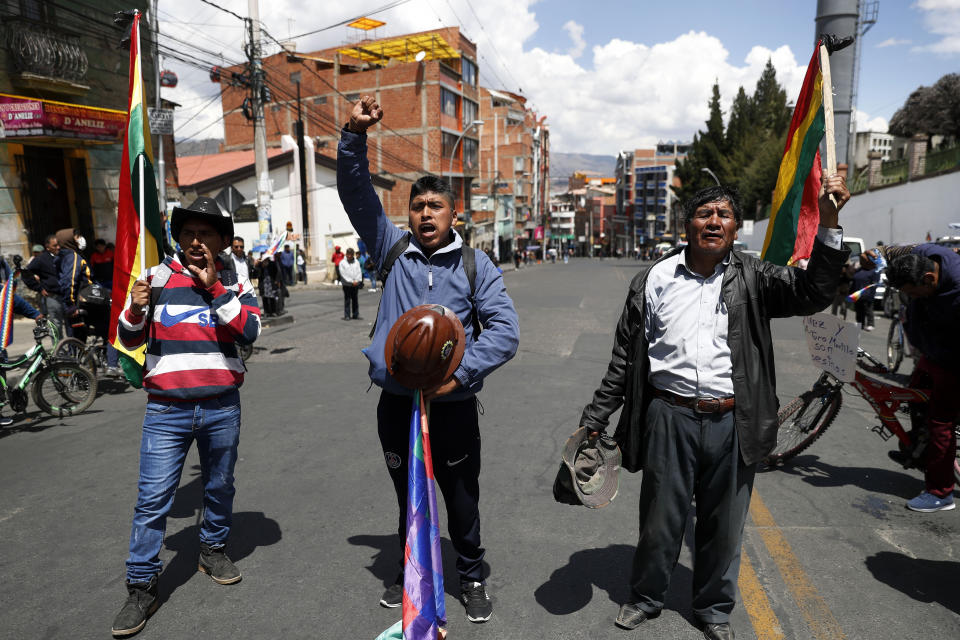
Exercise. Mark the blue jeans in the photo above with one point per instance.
(168, 430)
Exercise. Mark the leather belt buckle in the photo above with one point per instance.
(708, 405)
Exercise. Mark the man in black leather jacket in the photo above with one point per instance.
(693, 368)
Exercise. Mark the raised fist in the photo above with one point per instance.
(366, 113)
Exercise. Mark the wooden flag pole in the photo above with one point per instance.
(141, 241)
(827, 89)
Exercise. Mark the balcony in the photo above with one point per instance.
(44, 57)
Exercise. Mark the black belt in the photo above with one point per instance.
(700, 405)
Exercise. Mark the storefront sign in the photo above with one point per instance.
(30, 118)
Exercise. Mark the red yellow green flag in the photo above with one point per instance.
(795, 212)
(139, 225)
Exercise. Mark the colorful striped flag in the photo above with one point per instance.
(856, 295)
(6, 313)
(795, 212)
(139, 224)
(424, 610)
(274, 246)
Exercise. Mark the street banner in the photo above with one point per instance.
(22, 117)
(795, 212)
(139, 223)
(6, 313)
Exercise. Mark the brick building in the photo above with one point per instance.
(62, 119)
(429, 106)
(643, 193)
(514, 174)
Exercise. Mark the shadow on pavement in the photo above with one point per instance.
(570, 588)
(36, 421)
(929, 581)
(250, 529)
(386, 561)
(817, 473)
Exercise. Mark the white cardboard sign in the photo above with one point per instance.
(832, 344)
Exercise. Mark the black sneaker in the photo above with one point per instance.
(141, 603)
(476, 601)
(215, 563)
(393, 596)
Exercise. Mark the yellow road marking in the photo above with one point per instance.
(765, 623)
(812, 605)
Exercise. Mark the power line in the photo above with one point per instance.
(493, 47)
(385, 7)
(216, 6)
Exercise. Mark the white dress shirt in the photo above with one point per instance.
(686, 326)
(240, 264)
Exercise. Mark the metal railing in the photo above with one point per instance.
(44, 51)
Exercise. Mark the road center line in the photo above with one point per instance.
(814, 608)
(764, 621)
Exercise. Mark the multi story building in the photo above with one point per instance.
(643, 195)
(427, 85)
(62, 119)
(514, 174)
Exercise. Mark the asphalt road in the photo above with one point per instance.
(830, 552)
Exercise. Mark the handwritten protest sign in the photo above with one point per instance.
(832, 344)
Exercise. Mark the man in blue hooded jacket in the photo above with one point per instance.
(430, 271)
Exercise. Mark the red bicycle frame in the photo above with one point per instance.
(885, 399)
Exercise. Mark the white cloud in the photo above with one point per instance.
(893, 42)
(575, 31)
(867, 123)
(621, 94)
(942, 19)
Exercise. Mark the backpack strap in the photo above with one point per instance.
(395, 252)
(469, 256)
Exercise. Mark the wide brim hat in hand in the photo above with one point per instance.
(590, 471)
(425, 346)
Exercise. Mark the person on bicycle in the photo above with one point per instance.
(42, 275)
(80, 316)
(929, 275)
(191, 311)
(693, 369)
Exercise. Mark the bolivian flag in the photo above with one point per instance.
(138, 212)
(795, 212)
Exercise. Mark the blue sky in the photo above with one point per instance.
(610, 75)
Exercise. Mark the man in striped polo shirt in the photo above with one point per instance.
(190, 311)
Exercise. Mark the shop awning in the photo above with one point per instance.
(23, 118)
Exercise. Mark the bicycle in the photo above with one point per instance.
(897, 343)
(807, 417)
(59, 388)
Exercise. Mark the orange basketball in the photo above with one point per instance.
(425, 346)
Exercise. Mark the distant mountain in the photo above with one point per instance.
(563, 165)
(198, 147)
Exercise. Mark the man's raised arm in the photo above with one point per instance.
(356, 192)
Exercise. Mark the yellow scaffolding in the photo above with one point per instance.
(404, 49)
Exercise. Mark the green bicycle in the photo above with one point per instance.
(60, 388)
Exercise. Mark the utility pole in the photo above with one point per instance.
(496, 178)
(161, 162)
(259, 131)
(304, 212)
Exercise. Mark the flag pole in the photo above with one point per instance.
(827, 89)
(141, 240)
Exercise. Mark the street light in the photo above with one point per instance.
(712, 175)
(475, 123)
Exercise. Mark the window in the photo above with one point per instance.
(518, 164)
(470, 112)
(39, 10)
(352, 97)
(448, 102)
(470, 149)
(449, 140)
(468, 71)
(320, 100)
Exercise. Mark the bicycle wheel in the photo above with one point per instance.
(75, 351)
(803, 421)
(894, 346)
(64, 389)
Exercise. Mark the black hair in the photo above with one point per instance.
(433, 184)
(712, 194)
(99, 241)
(235, 238)
(908, 269)
(50, 237)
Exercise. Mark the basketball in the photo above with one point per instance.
(424, 346)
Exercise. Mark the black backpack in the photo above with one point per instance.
(469, 266)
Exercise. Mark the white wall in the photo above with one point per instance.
(897, 215)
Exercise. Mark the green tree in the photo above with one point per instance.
(931, 110)
(741, 120)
